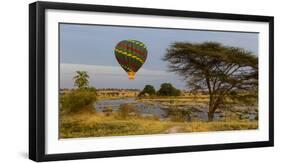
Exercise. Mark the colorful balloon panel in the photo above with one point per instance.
(131, 55)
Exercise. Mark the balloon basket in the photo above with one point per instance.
(131, 75)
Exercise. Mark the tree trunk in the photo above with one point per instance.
(213, 105)
(211, 112)
(210, 116)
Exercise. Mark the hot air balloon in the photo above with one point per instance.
(130, 54)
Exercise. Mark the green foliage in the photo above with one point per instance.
(81, 98)
(148, 90)
(167, 89)
(81, 79)
(225, 72)
(78, 100)
(92, 89)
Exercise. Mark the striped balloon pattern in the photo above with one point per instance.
(131, 55)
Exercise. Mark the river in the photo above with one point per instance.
(157, 109)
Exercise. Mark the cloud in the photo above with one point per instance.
(116, 77)
(106, 70)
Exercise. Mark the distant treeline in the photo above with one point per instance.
(105, 89)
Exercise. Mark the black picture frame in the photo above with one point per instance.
(37, 78)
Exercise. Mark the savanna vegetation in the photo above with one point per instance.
(227, 73)
(80, 99)
(220, 78)
(166, 89)
(148, 90)
(123, 122)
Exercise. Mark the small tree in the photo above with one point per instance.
(226, 73)
(148, 89)
(167, 89)
(81, 79)
(81, 99)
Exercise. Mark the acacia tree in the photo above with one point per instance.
(226, 73)
(81, 79)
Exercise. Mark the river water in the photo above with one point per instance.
(157, 109)
(141, 107)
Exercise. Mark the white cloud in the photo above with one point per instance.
(110, 70)
(116, 77)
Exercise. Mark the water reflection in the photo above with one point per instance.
(159, 109)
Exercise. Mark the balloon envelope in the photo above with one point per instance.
(130, 54)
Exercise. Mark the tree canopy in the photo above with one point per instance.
(167, 89)
(149, 90)
(81, 79)
(226, 73)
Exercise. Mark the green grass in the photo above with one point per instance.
(98, 124)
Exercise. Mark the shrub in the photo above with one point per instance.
(167, 89)
(107, 110)
(125, 110)
(78, 100)
(148, 90)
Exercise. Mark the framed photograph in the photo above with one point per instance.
(110, 81)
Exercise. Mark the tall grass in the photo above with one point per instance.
(77, 100)
(125, 110)
(96, 125)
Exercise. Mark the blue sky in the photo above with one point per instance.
(91, 48)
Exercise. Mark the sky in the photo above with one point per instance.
(91, 48)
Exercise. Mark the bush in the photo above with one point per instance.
(125, 110)
(78, 100)
(148, 90)
(107, 110)
(167, 89)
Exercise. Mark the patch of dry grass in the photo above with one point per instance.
(95, 125)
(87, 124)
(219, 126)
